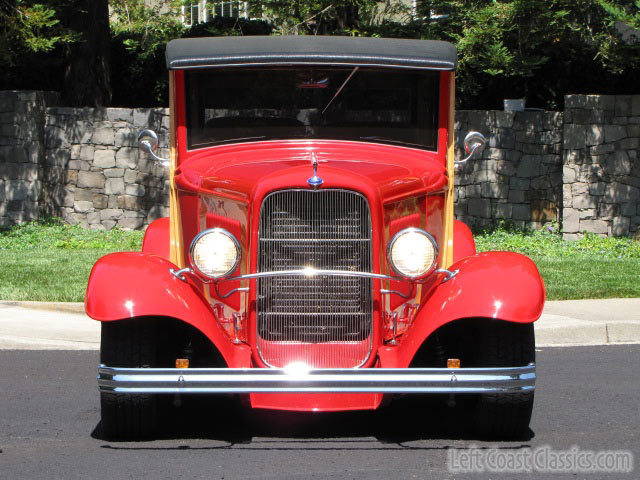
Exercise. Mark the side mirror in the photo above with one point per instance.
(474, 144)
(148, 143)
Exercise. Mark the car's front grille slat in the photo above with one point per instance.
(297, 316)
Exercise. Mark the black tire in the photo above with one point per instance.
(504, 415)
(128, 343)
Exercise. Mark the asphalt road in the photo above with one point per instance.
(49, 426)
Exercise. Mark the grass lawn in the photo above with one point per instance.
(587, 277)
(51, 275)
(49, 261)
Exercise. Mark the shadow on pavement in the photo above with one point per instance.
(225, 420)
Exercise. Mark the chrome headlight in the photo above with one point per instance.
(412, 253)
(215, 253)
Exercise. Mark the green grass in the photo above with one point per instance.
(589, 277)
(50, 261)
(47, 275)
(592, 267)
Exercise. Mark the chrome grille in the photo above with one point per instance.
(322, 321)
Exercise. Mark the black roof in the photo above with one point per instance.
(189, 53)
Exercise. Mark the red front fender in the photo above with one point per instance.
(129, 284)
(500, 285)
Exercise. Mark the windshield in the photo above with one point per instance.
(377, 105)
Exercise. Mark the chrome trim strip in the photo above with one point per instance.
(348, 380)
(312, 272)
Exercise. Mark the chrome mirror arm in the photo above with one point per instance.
(148, 142)
(145, 146)
(474, 144)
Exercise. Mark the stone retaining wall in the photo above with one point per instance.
(578, 167)
(601, 171)
(519, 177)
(95, 173)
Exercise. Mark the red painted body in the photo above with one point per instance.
(156, 238)
(224, 186)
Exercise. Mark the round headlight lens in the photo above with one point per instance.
(215, 253)
(413, 253)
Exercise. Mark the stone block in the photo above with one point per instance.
(480, 208)
(628, 144)
(602, 149)
(82, 206)
(114, 172)
(80, 132)
(567, 196)
(104, 159)
(120, 114)
(613, 133)
(529, 166)
(505, 119)
(110, 214)
(108, 224)
(78, 165)
(91, 180)
(588, 214)
(595, 134)
(87, 152)
(570, 220)
(618, 193)
(126, 137)
(623, 105)
(494, 190)
(131, 176)
(129, 202)
(597, 188)
(93, 218)
(518, 183)
(521, 212)
(99, 201)
(584, 201)
(131, 223)
(635, 105)
(516, 196)
(575, 137)
(127, 158)
(83, 194)
(628, 209)
(157, 211)
(503, 210)
(575, 101)
(135, 190)
(543, 211)
(114, 186)
(618, 163)
(620, 226)
(103, 136)
(594, 226)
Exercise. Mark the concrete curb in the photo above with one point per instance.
(69, 307)
(65, 326)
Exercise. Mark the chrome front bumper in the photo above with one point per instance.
(353, 380)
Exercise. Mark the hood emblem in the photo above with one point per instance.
(315, 181)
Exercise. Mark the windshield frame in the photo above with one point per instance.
(423, 125)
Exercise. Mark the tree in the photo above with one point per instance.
(87, 77)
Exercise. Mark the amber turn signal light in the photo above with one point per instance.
(182, 363)
(453, 363)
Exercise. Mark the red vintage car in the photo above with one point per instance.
(311, 260)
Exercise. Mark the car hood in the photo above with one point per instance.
(240, 171)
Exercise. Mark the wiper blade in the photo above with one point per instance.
(340, 89)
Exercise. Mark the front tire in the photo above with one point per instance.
(128, 343)
(504, 415)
